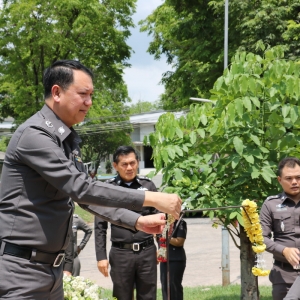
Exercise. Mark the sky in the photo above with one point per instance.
(143, 77)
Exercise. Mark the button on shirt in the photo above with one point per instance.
(280, 215)
(42, 169)
(121, 234)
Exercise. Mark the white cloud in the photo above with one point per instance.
(143, 77)
(143, 82)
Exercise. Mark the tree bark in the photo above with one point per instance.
(249, 283)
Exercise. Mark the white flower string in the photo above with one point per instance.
(78, 288)
(254, 232)
(162, 251)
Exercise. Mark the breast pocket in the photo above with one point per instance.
(282, 222)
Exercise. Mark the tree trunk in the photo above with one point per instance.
(249, 283)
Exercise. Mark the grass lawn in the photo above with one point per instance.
(85, 215)
(215, 292)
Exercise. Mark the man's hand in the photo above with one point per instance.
(152, 224)
(292, 255)
(168, 203)
(78, 250)
(67, 273)
(103, 267)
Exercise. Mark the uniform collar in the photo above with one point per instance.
(119, 180)
(52, 120)
(283, 196)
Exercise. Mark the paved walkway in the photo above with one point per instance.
(203, 248)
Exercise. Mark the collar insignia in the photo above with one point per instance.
(49, 124)
(61, 130)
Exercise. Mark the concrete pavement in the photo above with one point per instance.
(203, 248)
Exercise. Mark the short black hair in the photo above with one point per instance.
(124, 150)
(289, 162)
(61, 73)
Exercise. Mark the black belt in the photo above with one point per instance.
(134, 246)
(54, 259)
(284, 265)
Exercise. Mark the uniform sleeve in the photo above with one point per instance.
(100, 238)
(39, 150)
(181, 231)
(267, 228)
(87, 232)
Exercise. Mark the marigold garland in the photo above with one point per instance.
(254, 232)
(162, 251)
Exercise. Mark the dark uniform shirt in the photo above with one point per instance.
(121, 234)
(42, 170)
(178, 253)
(280, 215)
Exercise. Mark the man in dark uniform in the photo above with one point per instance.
(280, 214)
(42, 170)
(133, 254)
(78, 224)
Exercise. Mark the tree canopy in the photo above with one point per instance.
(34, 33)
(143, 107)
(191, 35)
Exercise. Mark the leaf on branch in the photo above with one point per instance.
(249, 158)
(171, 152)
(255, 139)
(201, 132)
(238, 145)
(193, 137)
(178, 174)
(285, 110)
(233, 215)
(235, 162)
(179, 132)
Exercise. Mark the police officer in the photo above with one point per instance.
(42, 170)
(133, 253)
(79, 224)
(280, 215)
(177, 263)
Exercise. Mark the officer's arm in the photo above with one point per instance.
(177, 242)
(69, 258)
(267, 226)
(100, 238)
(87, 233)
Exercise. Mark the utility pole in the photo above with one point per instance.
(225, 234)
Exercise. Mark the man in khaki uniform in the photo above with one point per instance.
(280, 215)
(42, 171)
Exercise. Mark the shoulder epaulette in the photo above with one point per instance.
(47, 125)
(110, 180)
(144, 177)
(273, 197)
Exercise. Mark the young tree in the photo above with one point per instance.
(224, 152)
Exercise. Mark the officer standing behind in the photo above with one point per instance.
(280, 214)
(79, 224)
(133, 253)
(41, 171)
(177, 263)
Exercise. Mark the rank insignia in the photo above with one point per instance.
(78, 158)
(49, 124)
(61, 130)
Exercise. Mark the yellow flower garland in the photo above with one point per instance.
(254, 232)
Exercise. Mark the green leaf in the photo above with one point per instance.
(179, 132)
(255, 101)
(171, 152)
(264, 150)
(178, 150)
(238, 145)
(255, 174)
(214, 127)
(240, 219)
(201, 132)
(239, 107)
(193, 137)
(233, 215)
(266, 177)
(249, 158)
(285, 110)
(203, 119)
(211, 214)
(178, 174)
(247, 103)
(235, 162)
(255, 139)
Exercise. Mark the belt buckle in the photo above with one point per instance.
(136, 247)
(58, 260)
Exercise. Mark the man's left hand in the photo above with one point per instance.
(152, 224)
